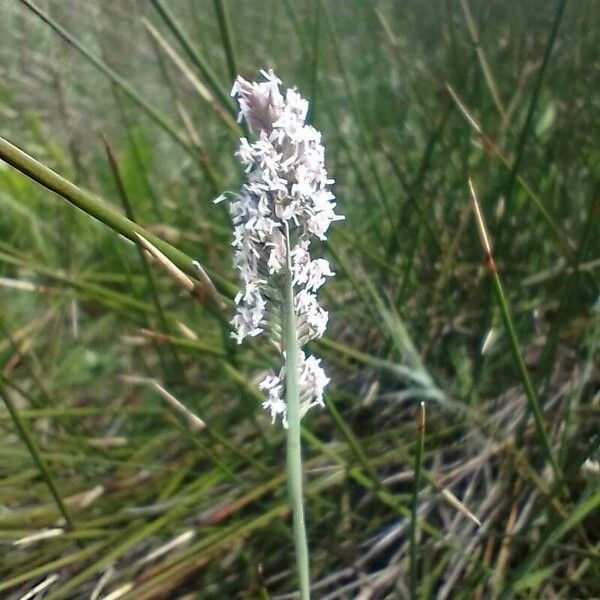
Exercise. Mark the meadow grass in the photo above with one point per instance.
(137, 461)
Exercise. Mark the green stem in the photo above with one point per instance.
(114, 77)
(530, 391)
(194, 55)
(227, 36)
(415, 500)
(485, 67)
(524, 134)
(97, 208)
(151, 285)
(515, 347)
(294, 451)
(31, 444)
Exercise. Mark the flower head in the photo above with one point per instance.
(287, 189)
(311, 381)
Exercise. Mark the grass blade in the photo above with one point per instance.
(92, 205)
(515, 346)
(194, 55)
(28, 438)
(114, 77)
(415, 499)
(553, 534)
(227, 36)
(524, 134)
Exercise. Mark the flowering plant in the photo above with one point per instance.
(283, 204)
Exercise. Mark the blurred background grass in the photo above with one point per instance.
(412, 99)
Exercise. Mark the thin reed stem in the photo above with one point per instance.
(526, 129)
(95, 207)
(415, 499)
(199, 60)
(151, 284)
(114, 77)
(515, 346)
(227, 36)
(485, 67)
(294, 450)
(28, 438)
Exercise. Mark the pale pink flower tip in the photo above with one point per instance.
(286, 186)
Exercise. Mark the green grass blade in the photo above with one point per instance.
(29, 440)
(93, 206)
(227, 36)
(194, 55)
(515, 346)
(526, 129)
(150, 283)
(114, 77)
(553, 534)
(420, 443)
(481, 55)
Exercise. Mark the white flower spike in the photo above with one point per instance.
(286, 189)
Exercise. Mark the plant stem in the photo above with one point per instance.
(515, 347)
(115, 78)
(227, 36)
(415, 499)
(95, 207)
(31, 444)
(294, 451)
(524, 134)
(194, 55)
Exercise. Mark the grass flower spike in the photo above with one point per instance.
(286, 196)
(284, 203)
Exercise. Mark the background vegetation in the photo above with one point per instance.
(129, 100)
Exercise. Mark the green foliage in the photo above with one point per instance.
(96, 340)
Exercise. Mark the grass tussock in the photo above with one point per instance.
(136, 459)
